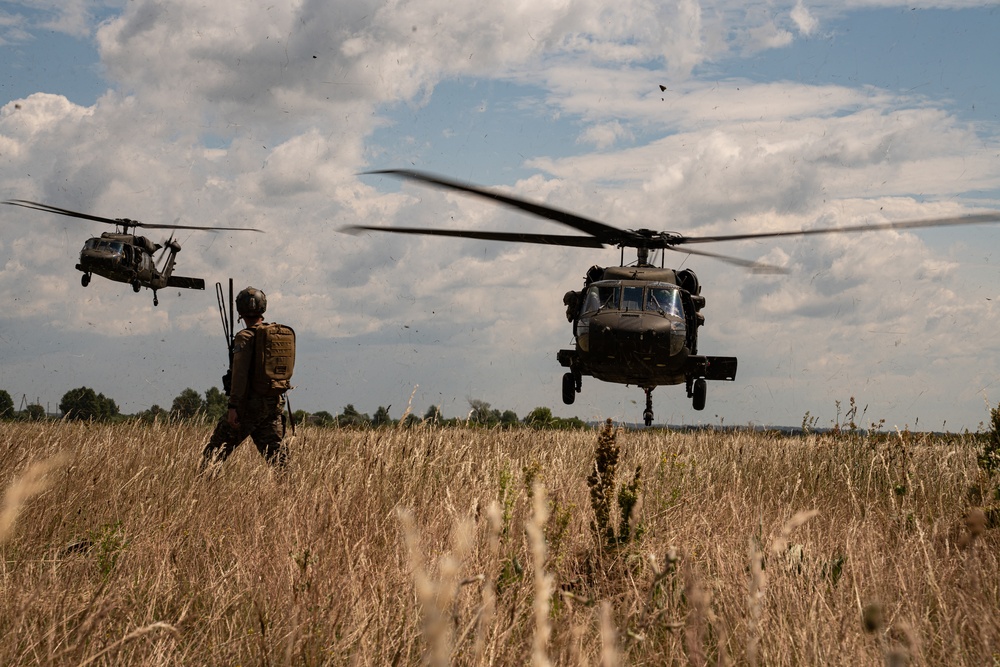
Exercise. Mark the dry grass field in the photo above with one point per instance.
(472, 547)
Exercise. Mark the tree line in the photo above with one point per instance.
(85, 404)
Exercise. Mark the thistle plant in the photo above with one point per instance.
(603, 483)
(602, 480)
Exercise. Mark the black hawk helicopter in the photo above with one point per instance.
(127, 258)
(636, 323)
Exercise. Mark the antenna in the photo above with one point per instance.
(228, 322)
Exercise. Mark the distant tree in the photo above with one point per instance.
(382, 417)
(481, 413)
(571, 423)
(33, 412)
(84, 404)
(301, 417)
(6, 405)
(433, 415)
(187, 404)
(155, 413)
(323, 418)
(540, 417)
(411, 420)
(216, 404)
(351, 417)
(508, 419)
(109, 409)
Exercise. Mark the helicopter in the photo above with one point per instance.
(128, 258)
(636, 323)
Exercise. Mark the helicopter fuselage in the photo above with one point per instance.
(127, 258)
(633, 332)
(639, 325)
(122, 258)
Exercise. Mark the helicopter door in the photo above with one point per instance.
(598, 297)
(145, 264)
(691, 315)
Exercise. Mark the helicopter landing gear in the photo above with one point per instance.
(572, 383)
(699, 394)
(85, 279)
(568, 389)
(156, 301)
(135, 285)
(647, 414)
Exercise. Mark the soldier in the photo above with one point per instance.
(256, 405)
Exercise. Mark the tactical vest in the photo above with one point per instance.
(274, 359)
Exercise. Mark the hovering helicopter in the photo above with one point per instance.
(128, 258)
(635, 324)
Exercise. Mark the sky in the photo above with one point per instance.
(691, 116)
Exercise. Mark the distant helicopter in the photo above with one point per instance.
(127, 258)
(637, 323)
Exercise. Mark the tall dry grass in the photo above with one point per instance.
(456, 546)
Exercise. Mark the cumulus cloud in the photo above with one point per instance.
(804, 20)
(605, 134)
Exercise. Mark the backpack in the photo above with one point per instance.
(274, 358)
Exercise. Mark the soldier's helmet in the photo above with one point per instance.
(251, 301)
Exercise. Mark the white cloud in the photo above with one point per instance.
(804, 20)
(605, 135)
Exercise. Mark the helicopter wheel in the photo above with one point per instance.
(569, 388)
(647, 414)
(135, 285)
(156, 300)
(85, 279)
(700, 393)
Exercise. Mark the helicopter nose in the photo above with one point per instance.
(633, 335)
(98, 256)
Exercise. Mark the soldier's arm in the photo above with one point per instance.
(242, 361)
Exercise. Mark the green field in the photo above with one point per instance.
(471, 547)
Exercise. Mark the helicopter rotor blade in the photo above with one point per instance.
(605, 233)
(976, 219)
(149, 225)
(755, 267)
(61, 211)
(514, 237)
(120, 222)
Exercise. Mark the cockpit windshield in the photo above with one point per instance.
(113, 247)
(600, 297)
(656, 298)
(665, 300)
(631, 298)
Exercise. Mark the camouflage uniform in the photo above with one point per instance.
(261, 417)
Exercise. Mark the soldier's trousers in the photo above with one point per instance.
(262, 419)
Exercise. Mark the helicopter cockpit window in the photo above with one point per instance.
(665, 300)
(600, 297)
(113, 247)
(631, 298)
